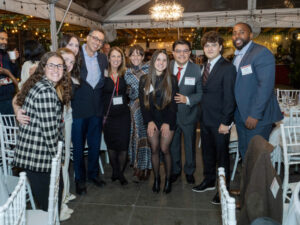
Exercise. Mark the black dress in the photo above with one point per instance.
(117, 127)
(165, 115)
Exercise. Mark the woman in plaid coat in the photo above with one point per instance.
(38, 140)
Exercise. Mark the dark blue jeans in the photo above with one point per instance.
(86, 129)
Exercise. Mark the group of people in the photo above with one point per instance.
(75, 93)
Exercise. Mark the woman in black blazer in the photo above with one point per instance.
(156, 94)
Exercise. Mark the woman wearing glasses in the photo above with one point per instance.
(38, 140)
(156, 94)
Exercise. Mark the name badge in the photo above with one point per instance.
(189, 81)
(117, 101)
(246, 70)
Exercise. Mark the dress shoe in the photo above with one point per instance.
(206, 185)
(216, 199)
(80, 188)
(97, 181)
(174, 177)
(190, 178)
(156, 184)
(123, 180)
(114, 177)
(168, 186)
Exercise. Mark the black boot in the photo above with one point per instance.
(122, 179)
(156, 184)
(168, 186)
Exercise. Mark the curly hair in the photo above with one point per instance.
(61, 90)
(39, 74)
(63, 42)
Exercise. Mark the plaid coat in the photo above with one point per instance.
(37, 142)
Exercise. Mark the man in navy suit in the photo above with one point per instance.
(87, 111)
(257, 106)
(217, 111)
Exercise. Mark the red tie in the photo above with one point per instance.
(205, 74)
(179, 74)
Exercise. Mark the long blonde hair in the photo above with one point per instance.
(165, 87)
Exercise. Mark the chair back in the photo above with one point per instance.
(294, 117)
(291, 152)
(8, 138)
(13, 212)
(54, 187)
(284, 96)
(227, 202)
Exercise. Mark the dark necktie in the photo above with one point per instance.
(205, 73)
(179, 74)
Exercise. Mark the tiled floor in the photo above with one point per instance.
(136, 204)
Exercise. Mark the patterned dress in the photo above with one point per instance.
(139, 150)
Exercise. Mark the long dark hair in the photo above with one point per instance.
(122, 67)
(39, 74)
(33, 50)
(63, 42)
(165, 87)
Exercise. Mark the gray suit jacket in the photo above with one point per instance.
(187, 114)
(254, 91)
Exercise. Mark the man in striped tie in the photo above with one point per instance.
(190, 92)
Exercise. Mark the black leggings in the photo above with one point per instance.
(39, 183)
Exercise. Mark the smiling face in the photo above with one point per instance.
(73, 45)
(136, 58)
(181, 54)
(115, 59)
(160, 63)
(3, 40)
(212, 50)
(69, 60)
(94, 41)
(54, 69)
(241, 36)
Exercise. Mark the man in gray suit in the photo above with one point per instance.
(257, 106)
(190, 92)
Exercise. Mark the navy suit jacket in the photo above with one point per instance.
(87, 101)
(254, 91)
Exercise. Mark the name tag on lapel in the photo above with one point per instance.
(118, 101)
(246, 70)
(189, 81)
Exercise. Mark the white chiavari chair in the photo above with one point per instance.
(291, 156)
(13, 212)
(227, 203)
(284, 95)
(294, 118)
(234, 149)
(8, 140)
(51, 217)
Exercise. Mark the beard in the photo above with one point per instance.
(3, 47)
(244, 43)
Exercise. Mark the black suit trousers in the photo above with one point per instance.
(215, 152)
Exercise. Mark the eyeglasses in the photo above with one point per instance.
(185, 51)
(96, 39)
(52, 66)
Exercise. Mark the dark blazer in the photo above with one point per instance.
(87, 101)
(258, 174)
(254, 92)
(218, 101)
(187, 114)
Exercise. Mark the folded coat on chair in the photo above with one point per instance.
(258, 174)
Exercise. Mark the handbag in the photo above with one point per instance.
(108, 109)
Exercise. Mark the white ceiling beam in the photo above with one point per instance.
(265, 18)
(124, 7)
(40, 9)
(252, 4)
